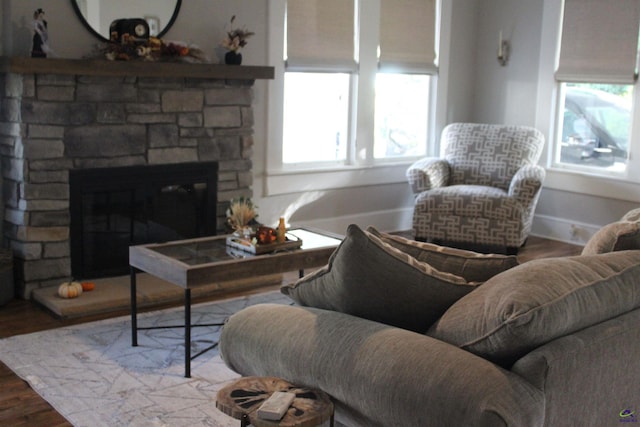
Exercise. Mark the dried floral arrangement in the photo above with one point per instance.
(241, 213)
(236, 38)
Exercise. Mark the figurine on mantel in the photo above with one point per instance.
(40, 48)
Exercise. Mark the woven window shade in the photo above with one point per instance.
(599, 41)
(320, 33)
(407, 35)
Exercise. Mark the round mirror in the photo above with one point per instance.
(97, 15)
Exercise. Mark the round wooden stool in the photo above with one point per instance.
(242, 398)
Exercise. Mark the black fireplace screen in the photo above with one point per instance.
(114, 208)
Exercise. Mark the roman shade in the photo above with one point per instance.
(599, 41)
(320, 34)
(407, 35)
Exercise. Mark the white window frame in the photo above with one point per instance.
(573, 178)
(283, 178)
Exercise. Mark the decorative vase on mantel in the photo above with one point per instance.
(233, 58)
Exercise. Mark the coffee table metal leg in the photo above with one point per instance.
(187, 333)
(134, 308)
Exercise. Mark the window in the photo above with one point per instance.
(308, 97)
(401, 113)
(595, 125)
(356, 83)
(596, 75)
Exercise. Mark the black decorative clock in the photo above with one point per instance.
(126, 30)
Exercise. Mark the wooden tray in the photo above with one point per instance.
(247, 246)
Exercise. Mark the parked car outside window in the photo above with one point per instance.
(595, 127)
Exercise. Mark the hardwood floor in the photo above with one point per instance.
(21, 406)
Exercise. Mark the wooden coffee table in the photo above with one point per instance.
(202, 261)
(242, 398)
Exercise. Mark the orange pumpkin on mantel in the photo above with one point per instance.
(70, 289)
(88, 286)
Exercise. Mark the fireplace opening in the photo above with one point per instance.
(114, 208)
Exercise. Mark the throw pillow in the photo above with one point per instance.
(538, 301)
(472, 266)
(632, 215)
(618, 236)
(368, 278)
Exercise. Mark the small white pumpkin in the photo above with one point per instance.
(70, 289)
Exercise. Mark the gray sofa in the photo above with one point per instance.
(551, 342)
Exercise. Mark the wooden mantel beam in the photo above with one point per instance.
(103, 67)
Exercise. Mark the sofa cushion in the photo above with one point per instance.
(472, 266)
(368, 278)
(618, 236)
(538, 301)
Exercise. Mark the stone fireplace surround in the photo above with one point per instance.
(59, 114)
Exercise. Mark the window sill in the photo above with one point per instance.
(595, 185)
(286, 182)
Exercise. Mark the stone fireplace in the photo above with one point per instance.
(60, 116)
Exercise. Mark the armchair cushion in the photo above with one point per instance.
(536, 302)
(470, 201)
(472, 266)
(368, 278)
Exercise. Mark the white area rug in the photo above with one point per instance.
(92, 375)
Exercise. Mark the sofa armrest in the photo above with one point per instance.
(377, 374)
(589, 376)
(428, 173)
(526, 184)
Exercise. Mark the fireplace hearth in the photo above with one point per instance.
(114, 208)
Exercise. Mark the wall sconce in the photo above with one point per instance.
(504, 49)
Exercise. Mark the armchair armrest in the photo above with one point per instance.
(526, 184)
(428, 173)
(378, 375)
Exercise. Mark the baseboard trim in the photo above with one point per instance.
(563, 230)
(388, 221)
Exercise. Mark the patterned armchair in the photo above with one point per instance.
(483, 193)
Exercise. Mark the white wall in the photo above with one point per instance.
(507, 94)
(457, 63)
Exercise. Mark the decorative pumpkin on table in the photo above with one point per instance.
(70, 289)
(266, 235)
